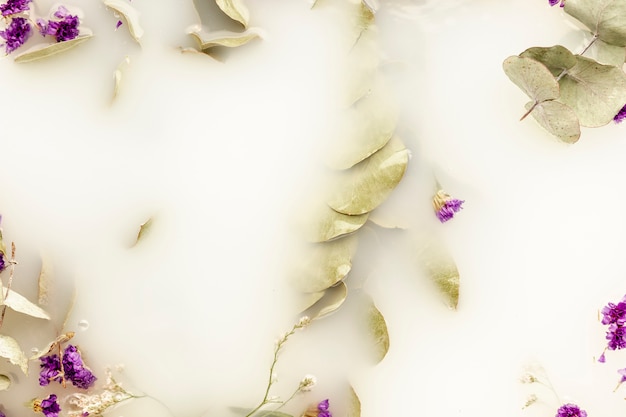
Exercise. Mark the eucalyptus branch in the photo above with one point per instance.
(585, 49)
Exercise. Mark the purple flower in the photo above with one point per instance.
(2, 414)
(14, 6)
(63, 30)
(614, 313)
(50, 407)
(118, 24)
(445, 206)
(322, 408)
(554, 2)
(16, 34)
(75, 370)
(570, 410)
(50, 370)
(602, 358)
(616, 335)
(621, 115)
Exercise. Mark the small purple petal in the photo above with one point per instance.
(118, 24)
(622, 372)
(570, 410)
(61, 12)
(620, 116)
(602, 358)
(323, 405)
(324, 414)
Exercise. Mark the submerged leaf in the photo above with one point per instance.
(362, 66)
(208, 40)
(377, 331)
(44, 282)
(130, 14)
(10, 349)
(354, 404)
(50, 49)
(604, 18)
(330, 225)
(365, 186)
(235, 9)
(5, 382)
(367, 127)
(328, 263)
(596, 92)
(534, 78)
(117, 75)
(309, 299)
(556, 58)
(439, 266)
(333, 298)
(20, 304)
(558, 119)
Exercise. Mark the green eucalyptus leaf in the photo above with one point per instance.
(556, 58)
(10, 349)
(235, 9)
(20, 304)
(329, 225)
(367, 127)
(130, 14)
(228, 39)
(328, 263)
(604, 18)
(377, 328)
(558, 119)
(354, 403)
(365, 186)
(49, 49)
(534, 78)
(610, 54)
(333, 298)
(439, 266)
(5, 382)
(596, 92)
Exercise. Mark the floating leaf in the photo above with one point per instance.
(20, 304)
(556, 58)
(558, 119)
(364, 18)
(235, 9)
(365, 186)
(354, 404)
(362, 66)
(596, 92)
(604, 18)
(46, 275)
(144, 229)
(10, 349)
(117, 76)
(208, 40)
(610, 54)
(329, 225)
(5, 382)
(65, 337)
(328, 264)
(130, 14)
(50, 49)
(367, 127)
(333, 298)
(534, 78)
(377, 330)
(309, 299)
(441, 269)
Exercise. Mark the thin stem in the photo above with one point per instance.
(529, 111)
(13, 262)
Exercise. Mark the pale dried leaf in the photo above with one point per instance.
(117, 76)
(329, 225)
(5, 382)
(236, 10)
(10, 349)
(49, 49)
(354, 403)
(333, 298)
(440, 267)
(208, 40)
(377, 330)
(327, 264)
(46, 276)
(20, 304)
(130, 14)
(144, 229)
(308, 299)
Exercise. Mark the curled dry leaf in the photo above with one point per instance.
(327, 264)
(596, 92)
(208, 40)
(330, 225)
(5, 382)
(333, 298)
(308, 299)
(10, 349)
(365, 186)
(439, 266)
(558, 119)
(235, 9)
(354, 403)
(117, 76)
(19, 303)
(144, 229)
(44, 282)
(130, 14)
(367, 127)
(50, 49)
(604, 18)
(377, 329)
(66, 337)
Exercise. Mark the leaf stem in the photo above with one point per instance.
(13, 262)
(529, 111)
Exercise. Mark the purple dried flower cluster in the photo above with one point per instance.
(323, 409)
(621, 115)
(65, 29)
(446, 206)
(614, 315)
(49, 406)
(16, 34)
(570, 410)
(12, 7)
(73, 369)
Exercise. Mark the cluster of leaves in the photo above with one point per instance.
(209, 39)
(367, 169)
(570, 90)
